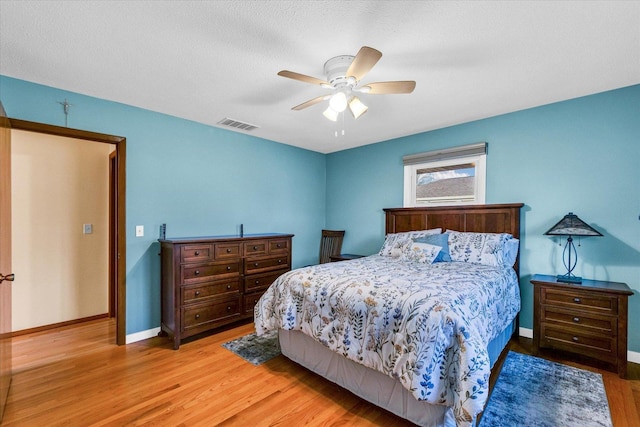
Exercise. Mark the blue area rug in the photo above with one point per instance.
(255, 349)
(536, 392)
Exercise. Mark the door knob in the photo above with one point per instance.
(9, 277)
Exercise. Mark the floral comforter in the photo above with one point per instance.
(428, 325)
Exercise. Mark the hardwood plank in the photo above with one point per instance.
(76, 376)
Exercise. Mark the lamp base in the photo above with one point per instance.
(568, 279)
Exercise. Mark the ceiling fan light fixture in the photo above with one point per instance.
(338, 102)
(330, 114)
(356, 107)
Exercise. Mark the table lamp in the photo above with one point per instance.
(571, 226)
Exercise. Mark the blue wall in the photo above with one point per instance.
(199, 180)
(581, 155)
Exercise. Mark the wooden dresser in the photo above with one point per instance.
(212, 281)
(588, 318)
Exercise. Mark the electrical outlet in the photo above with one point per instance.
(87, 228)
(139, 230)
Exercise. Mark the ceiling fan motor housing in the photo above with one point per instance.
(336, 71)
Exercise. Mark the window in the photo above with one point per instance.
(455, 176)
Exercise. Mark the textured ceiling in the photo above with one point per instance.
(207, 60)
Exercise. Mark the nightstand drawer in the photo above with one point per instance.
(593, 301)
(579, 341)
(584, 320)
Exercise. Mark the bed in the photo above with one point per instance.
(408, 334)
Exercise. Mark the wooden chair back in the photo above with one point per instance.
(330, 244)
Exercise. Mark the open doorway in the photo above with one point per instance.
(116, 212)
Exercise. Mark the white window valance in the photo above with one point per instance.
(446, 154)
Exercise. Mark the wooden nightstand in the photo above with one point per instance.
(344, 257)
(588, 318)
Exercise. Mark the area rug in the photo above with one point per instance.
(531, 391)
(255, 349)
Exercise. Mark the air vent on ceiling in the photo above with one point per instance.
(237, 124)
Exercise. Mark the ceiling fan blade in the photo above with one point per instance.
(363, 62)
(311, 102)
(302, 78)
(379, 88)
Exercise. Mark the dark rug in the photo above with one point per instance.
(536, 392)
(255, 349)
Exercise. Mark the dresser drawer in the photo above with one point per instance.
(579, 341)
(196, 253)
(216, 311)
(591, 301)
(260, 282)
(211, 271)
(256, 247)
(277, 246)
(227, 250)
(202, 292)
(259, 265)
(584, 319)
(250, 301)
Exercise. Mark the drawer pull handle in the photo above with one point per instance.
(255, 248)
(279, 261)
(278, 246)
(228, 308)
(196, 272)
(197, 253)
(228, 286)
(255, 301)
(255, 264)
(257, 282)
(197, 316)
(197, 293)
(228, 268)
(576, 319)
(577, 300)
(575, 339)
(228, 250)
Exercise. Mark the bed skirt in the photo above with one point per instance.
(370, 385)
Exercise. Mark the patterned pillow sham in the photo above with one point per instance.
(395, 242)
(441, 240)
(420, 252)
(480, 248)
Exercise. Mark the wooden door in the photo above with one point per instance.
(5, 258)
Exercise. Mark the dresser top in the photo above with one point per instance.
(594, 285)
(199, 239)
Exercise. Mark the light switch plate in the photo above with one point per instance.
(87, 228)
(139, 230)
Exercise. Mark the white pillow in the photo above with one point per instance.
(420, 252)
(395, 242)
(482, 248)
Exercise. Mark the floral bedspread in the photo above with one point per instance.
(428, 325)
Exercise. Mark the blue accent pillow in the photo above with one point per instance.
(441, 240)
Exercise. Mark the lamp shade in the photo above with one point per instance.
(571, 225)
(330, 114)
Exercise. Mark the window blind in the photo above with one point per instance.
(446, 154)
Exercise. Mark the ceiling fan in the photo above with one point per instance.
(344, 74)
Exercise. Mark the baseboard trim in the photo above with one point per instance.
(58, 325)
(632, 356)
(142, 335)
(526, 332)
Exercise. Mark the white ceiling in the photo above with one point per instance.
(207, 60)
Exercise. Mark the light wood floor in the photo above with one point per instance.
(75, 376)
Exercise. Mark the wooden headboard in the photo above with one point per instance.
(504, 218)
